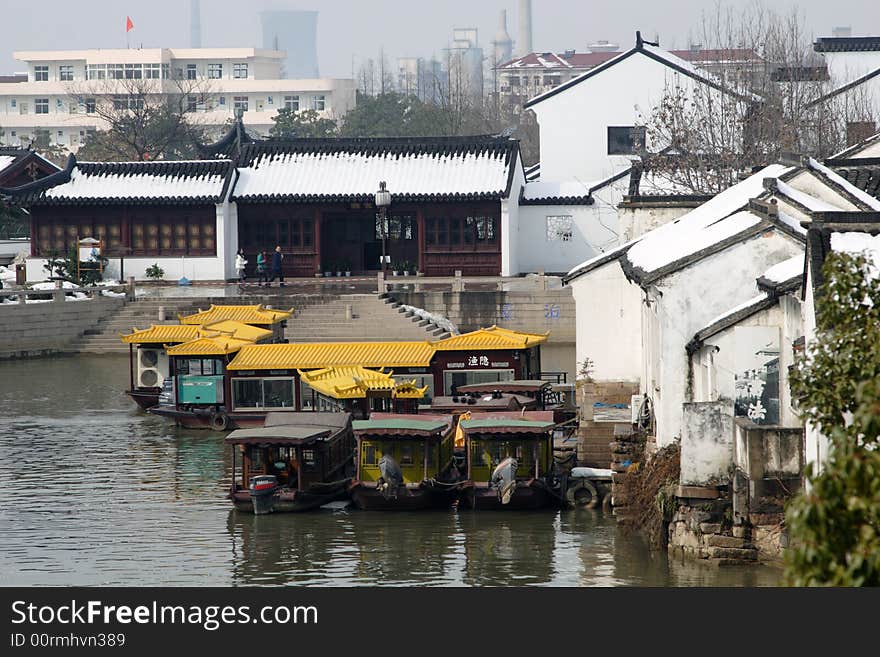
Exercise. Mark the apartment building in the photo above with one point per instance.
(58, 102)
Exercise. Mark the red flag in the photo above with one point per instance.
(128, 24)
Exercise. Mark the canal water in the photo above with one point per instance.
(97, 492)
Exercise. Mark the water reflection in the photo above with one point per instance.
(104, 494)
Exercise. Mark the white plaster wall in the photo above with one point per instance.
(816, 445)
(806, 181)
(511, 223)
(706, 443)
(608, 329)
(573, 123)
(635, 222)
(845, 67)
(692, 297)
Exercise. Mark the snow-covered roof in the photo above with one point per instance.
(598, 261)
(869, 147)
(848, 187)
(654, 52)
(809, 202)
(351, 169)
(698, 228)
(730, 317)
(783, 272)
(6, 160)
(111, 183)
(15, 161)
(856, 242)
(556, 193)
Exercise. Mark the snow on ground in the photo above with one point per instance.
(438, 320)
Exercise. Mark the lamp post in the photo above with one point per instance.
(383, 201)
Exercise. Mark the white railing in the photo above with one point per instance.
(59, 294)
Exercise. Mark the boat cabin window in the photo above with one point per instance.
(406, 455)
(465, 377)
(369, 457)
(257, 463)
(199, 366)
(309, 461)
(263, 393)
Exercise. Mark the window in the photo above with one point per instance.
(41, 105)
(192, 103)
(13, 102)
(65, 73)
(239, 71)
(96, 72)
(190, 71)
(41, 73)
(222, 100)
(552, 80)
(90, 105)
(513, 80)
(446, 231)
(262, 393)
(559, 228)
(291, 103)
(166, 71)
(128, 102)
(151, 71)
(134, 71)
(318, 103)
(625, 140)
(240, 103)
(215, 71)
(42, 138)
(406, 455)
(115, 71)
(369, 454)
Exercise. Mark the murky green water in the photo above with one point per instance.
(97, 492)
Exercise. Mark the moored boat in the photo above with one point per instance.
(295, 462)
(404, 462)
(509, 461)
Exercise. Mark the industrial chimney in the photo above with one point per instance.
(503, 44)
(195, 24)
(524, 43)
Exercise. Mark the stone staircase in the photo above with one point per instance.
(104, 337)
(359, 318)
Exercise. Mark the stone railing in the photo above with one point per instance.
(58, 294)
(459, 283)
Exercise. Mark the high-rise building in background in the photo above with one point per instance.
(464, 64)
(297, 33)
(195, 24)
(420, 77)
(524, 42)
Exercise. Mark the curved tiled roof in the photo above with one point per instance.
(493, 337)
(216, 346)
(350, 169)
(314, 355)
(244, 314)
(191, 182)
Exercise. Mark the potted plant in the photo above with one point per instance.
(347, 267)
(327, 267)
(339, 266)
(155, 272)
(404, 266)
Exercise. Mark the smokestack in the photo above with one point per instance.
(524, 43)
(503, 44)
(195, 24)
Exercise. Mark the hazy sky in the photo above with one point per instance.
(352, 30)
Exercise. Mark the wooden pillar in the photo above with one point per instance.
(130, 363)
(427, 447)
(317, 238)
(420, 223)
(297, 392)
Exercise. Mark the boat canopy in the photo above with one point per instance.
(401, 426)
(357, 382)
(517, 386)
(245, 314)
(493, 337)
(319, 355)
(216, 346)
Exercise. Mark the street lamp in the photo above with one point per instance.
(383, 201)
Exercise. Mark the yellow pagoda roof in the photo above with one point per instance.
(312, 355)
(219, 345)
(356, 382)
(163, 334)
(244, 314)
(236, 329)
(493, 337)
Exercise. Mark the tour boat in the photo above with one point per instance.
(404, 462)
(296, 461)
(509, 461)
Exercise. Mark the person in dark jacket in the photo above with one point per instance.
(277, 257)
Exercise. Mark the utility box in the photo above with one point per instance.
(201, 390)
(20, 274)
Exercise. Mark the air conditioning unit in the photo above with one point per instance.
(152, 367)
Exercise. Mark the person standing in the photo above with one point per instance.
(240, 263)
(262, 270)
(277, 257)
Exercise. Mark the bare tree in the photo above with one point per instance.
(144, 119)
(771, 94)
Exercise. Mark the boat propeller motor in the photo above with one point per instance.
(391, 476)
(504, 479)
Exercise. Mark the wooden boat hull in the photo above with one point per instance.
(145, 397)
(191, 420)
(405, 498)
(291, 501)
(533, 494)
